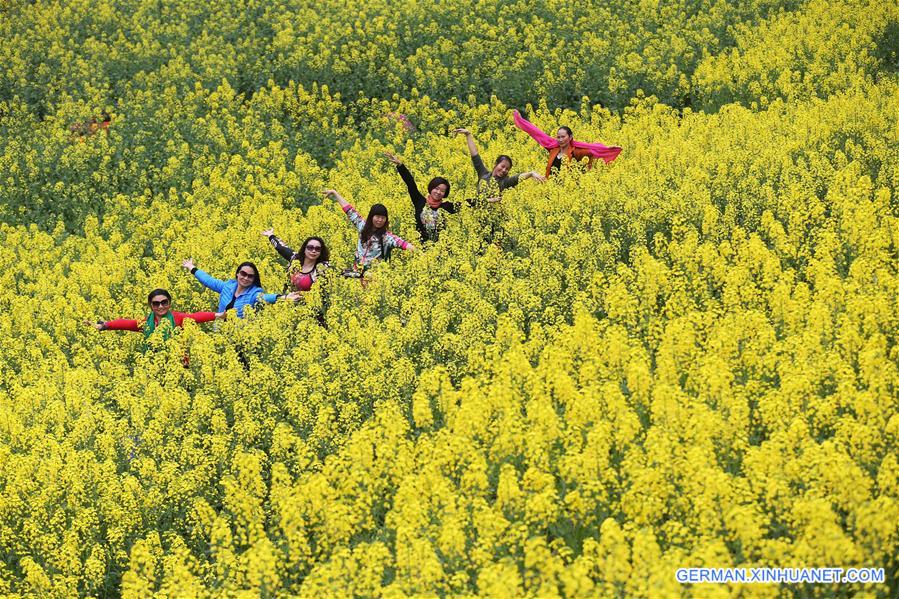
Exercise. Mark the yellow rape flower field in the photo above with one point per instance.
(686, 358)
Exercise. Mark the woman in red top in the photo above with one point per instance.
(564, 145)
(160, 317)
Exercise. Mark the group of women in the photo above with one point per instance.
(375, 241)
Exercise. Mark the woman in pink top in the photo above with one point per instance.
(303, 267)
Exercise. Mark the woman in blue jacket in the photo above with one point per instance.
(243, 290)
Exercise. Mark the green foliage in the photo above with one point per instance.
(685, 357)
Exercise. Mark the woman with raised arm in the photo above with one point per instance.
(160, 318)
(492, 183)
(303, 267)
(564, 145)
(243, 290)
(428, 219)
(375, 239)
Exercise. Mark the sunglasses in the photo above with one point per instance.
(160, 303)
(314, 248)
(252, 275)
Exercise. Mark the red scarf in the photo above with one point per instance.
(435, 204)
(596, 150)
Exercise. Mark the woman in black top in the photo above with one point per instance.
(428, 219)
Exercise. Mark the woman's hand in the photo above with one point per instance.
(462, 131)
(188, 264)
(494, 200)
(393, 158)
(332, 193)
(537, 176)
(94, 325)
(294, 296)
(219, 315)
(268, 232)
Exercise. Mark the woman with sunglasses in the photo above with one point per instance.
(160, 318)
(303, 267)
(243, 290)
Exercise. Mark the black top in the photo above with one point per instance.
(286, 253)
(427, 220)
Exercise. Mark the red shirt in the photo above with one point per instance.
(302, 281)
(573, 153)
(137, 326)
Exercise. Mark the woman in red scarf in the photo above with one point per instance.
(428, 219)
(564, 145)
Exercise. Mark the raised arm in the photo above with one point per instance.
(348, 209)
(206, 279)
(469, 139)
(476, 160)
(332, 193)
(414, 194)
(284, 251)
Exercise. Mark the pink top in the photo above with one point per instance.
(302, 281)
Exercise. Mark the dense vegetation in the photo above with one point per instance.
(687, 357)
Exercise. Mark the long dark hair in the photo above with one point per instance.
(323, 256)
(257, 282)
(369, 229)
(567, 130)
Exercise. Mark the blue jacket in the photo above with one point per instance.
(226, 290)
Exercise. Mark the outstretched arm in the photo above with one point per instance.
(542, 138)
(332, 193)
(268, 298)
(348, 209)
(398, 242)
(284, 251)
(206, 279)
(532, 175)
(198, 317)
(120, 324)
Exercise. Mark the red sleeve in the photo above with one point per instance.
(197, 317)
(124, 325)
